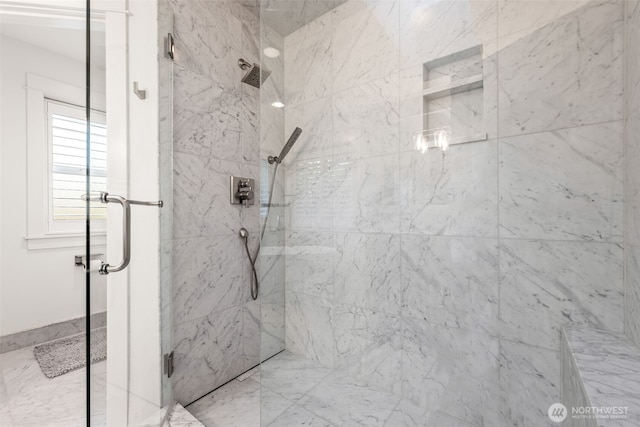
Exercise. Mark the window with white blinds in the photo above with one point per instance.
(67, 148)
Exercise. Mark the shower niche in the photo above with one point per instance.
(453, 100)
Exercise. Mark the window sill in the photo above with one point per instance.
(53, 241)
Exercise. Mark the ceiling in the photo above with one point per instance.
(286, 16)
(60, 36)
(65, 37)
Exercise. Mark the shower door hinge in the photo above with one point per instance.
(169, 46)
(168, 364)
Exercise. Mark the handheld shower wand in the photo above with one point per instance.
(244, 234)
(285, 150)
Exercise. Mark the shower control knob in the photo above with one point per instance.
(242, 191)
(245, 191)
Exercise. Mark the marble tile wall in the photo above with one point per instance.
(573, 394)
(632, 175)
(604, 371)
(453, 272)
(216, 134)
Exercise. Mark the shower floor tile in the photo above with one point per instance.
(290, 391)
(28, 398)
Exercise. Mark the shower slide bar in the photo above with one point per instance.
(105, 197)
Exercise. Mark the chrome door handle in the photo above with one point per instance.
(104, 197)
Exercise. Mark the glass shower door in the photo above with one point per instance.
(134, 196)
(53, 301)
(389, 206)
(70, 117)
(97, 215)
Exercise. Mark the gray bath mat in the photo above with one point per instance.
(68, 354)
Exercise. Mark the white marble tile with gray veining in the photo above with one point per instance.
(450, 370)
(309, 267)
(365, 44)
(368, 346)
(547, 178)
(367, 194)
(271, 38)
(408, 414)
(313, 31)
(365, 119)
(529, 384)
(207, 116)
(632, 178)
(411, 88)
(208, 352)
(180, 417)
(308, 62)
(236, 404)
(461, 114)
(350, 7)
(309, 328)
(451, 281)
(31, 399)
(314, 118)
(465, 114)
(450, 193)
(309, 187)
(251, 215)
(271, 120)
(51, 332)
(272, 406)
(208, 39)
(296, 416)
(349, 402)
(632, 293)
(290, 375)
(431, 30)
(251, 33)
(271, 270)
(209, 274)
(367, 271)
(5, 411)
(250, 125)
(609, 367)
(545, 84)
(272, 329)
(632, 57)
(263, 331)
(251, 334)
(572, 391)
(522, 18)
(287, 17)
(201, 197)
(545, 285)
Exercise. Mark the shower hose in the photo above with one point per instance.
(255, 284)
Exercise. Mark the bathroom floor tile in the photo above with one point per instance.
(28, 398)
(318, 397)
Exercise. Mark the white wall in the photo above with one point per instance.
(37, 287)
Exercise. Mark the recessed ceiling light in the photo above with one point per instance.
(277, 104)
(271, 52)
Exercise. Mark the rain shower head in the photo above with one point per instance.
(285, 150)
(254, 76)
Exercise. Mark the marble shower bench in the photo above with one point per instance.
(601, 371)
